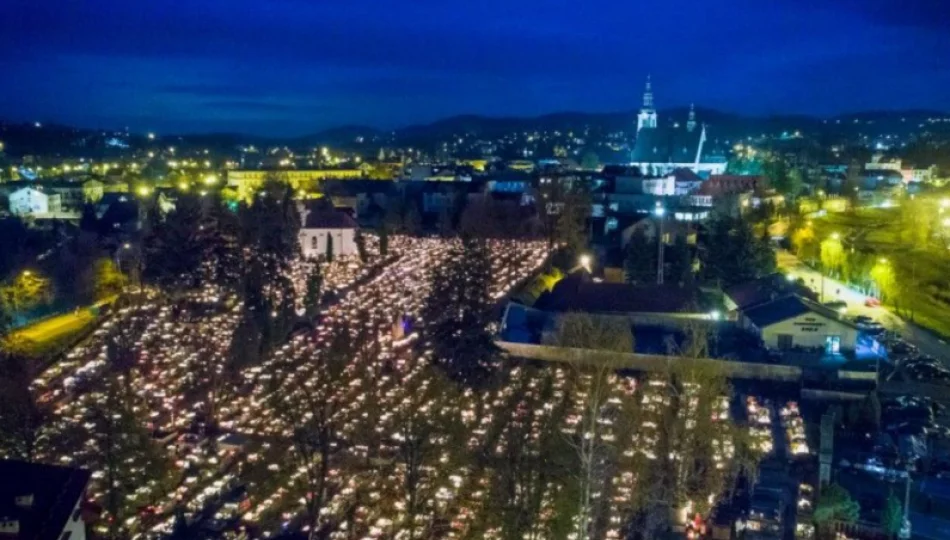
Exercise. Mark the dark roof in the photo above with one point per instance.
(575, 294)
(765, 289)
(788, 307)
(612, 171)
(666, 145)
(682, 174)
(55, 492)
(329, 219)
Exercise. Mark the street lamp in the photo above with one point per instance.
(659, 212)
(585, 261)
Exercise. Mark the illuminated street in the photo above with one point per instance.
(834, 290)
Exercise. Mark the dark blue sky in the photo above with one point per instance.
(294, 66)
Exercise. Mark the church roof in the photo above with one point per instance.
(667, 144)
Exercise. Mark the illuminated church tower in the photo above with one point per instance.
(647, 116)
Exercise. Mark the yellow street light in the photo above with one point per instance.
(585, 261)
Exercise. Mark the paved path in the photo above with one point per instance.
(835, 290)
(60, 325)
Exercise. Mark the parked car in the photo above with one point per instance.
(838, 305)
(870, 301)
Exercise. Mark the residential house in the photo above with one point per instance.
(322, 225)
(42, 502)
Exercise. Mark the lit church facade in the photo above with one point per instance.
(661, 149)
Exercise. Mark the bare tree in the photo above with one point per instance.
(312, 413)
(595, 385)
(24, 421)
(425, 423)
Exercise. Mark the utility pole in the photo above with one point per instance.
(905, 526)
(659, 211)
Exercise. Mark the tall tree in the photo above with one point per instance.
(639, 264)
(127, 455)
(312, 296)
(564, 209)
(360, 240)
(425, 423)
(836, 504)
(590, 161)
(679, 262)
(456, 312)
(851, 185)
(412, 219)
(893, 517)
(733, 253)
(833, 256)
(314, 413)
(24, 421)
(596, 385)
(383, 242)
(173, 250)
(270, 228)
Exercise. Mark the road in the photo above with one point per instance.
(54, 327)
(48, 330)
(835, 290)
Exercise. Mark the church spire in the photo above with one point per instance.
(648, 96)
(647, 116)
(691, 123)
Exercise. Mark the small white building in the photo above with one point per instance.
(793, 322)
(320, 227)
(29, 201)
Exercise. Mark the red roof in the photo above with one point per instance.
(725, 184)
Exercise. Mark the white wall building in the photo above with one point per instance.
(29, 201)
(320, 227)
(794, 322)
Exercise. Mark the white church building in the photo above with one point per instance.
(319, 226)
(661, 149)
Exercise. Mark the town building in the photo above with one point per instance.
(322, 225)
(656, 313)
(749, 294)
(29, 201)
(796, 323)
(42, 502)
(662, 147)
(246, 182)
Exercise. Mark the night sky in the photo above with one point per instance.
(296, 66)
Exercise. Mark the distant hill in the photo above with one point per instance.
(724, 127)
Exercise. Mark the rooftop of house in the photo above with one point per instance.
(320, 216)
(41, 498)
(575, 293)
(789, 307)
(766, 289)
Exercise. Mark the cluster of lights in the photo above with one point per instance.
(794, 429)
